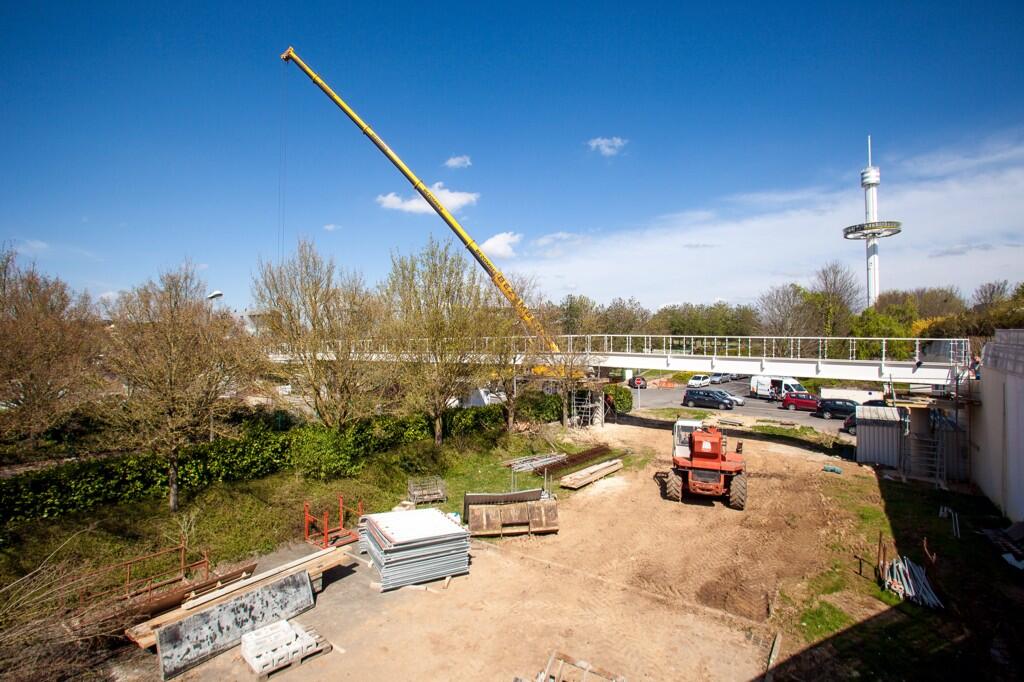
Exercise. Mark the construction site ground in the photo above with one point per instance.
(634, 583)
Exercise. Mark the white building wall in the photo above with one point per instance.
(997, 425)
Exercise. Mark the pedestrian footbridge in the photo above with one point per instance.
(902, 360)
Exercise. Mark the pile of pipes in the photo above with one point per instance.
(947, 512)
(908, 580)
(412, 547)
(531, 462)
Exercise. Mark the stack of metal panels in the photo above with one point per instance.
(531, 462)
(412, 547)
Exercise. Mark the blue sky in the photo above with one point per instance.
(656, 140)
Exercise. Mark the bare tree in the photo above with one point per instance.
(990, 294)
(783, 311)
(563, 369)
(438, 302)
(320, 318)
(49, 351)
(512, 353)
(833, 298)
(176, 356)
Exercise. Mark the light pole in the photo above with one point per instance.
(213, 296)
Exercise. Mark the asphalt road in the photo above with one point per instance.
(754, 407)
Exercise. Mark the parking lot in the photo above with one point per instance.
(758, 408)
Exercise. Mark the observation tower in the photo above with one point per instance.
(872, 229)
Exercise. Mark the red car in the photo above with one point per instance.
(800, 401)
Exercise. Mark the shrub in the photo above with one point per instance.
(538, 407)
(682, 377)
(322, 453)
(622, 396)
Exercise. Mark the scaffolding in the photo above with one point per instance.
(587, 408)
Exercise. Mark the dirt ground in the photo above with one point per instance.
(633, 583)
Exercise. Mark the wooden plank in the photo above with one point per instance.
(199, 601)
(587, 476)
(144, 634)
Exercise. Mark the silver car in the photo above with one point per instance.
(736, 400)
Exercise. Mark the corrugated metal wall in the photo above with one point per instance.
(880, 442)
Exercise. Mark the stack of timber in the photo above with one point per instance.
(315, 564)
(592, 473)
(412, 547)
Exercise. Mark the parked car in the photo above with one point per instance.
(836, 407)
(718, 378)
(798, 400)
(699, 381)
(874, 403)
(850, 424)
(698, 397)
(736, 400)
(637, 382)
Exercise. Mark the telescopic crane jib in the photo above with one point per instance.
(499, 279)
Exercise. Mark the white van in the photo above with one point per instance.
(761, 386)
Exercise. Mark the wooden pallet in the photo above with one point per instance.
(322, 647)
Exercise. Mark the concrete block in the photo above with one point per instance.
(194, 639)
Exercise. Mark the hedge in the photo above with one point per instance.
(622, 396)
(313, 450)
(535, 406)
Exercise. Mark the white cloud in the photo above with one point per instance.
(993, 152)
(331, 227)
(607, 146)
(452, 199)
(462, 161)
(554, 237)
(960, 227)
(32, 246)
(500, 245)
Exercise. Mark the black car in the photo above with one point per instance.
(836, 407)
(874, 403)
(637, 382)
(702, 397)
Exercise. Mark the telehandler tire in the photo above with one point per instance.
(738, 492)
(674, 486)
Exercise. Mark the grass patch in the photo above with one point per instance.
(822, 620)
(804, 435)
(673, 413)
(829, 582)
(241, 519)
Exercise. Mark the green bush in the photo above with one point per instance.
(538, 407)
(622, 396)
(473, 420)
(682, 377)
(315, 451)
(321, 453)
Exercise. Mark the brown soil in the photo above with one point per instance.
(636, 584)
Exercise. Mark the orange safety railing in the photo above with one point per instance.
(325, 536)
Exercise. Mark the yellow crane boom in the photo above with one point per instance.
(500, 281)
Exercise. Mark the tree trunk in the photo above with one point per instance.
(510, 416)
(172, 483)
(438, 430)
(565, 410)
